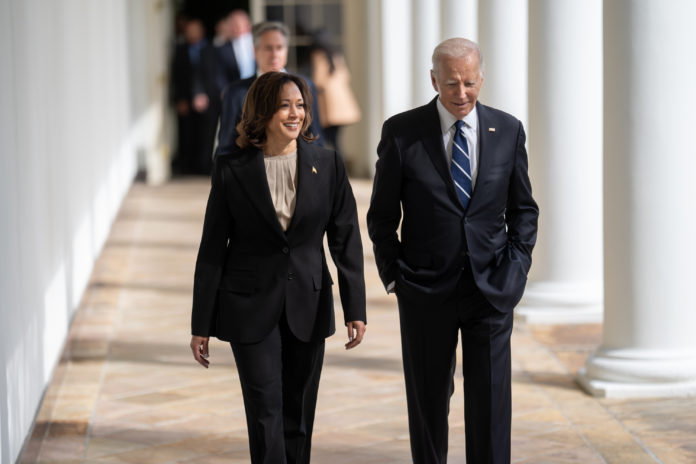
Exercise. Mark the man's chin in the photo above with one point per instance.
(459, 111)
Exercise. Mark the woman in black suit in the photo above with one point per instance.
(261, 280)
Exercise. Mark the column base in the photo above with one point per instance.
(604, 389)
(639, 373)
(561, 303)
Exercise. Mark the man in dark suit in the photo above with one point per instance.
(242, 42)
(271, 53)
(197, 100)
(227, 69)
(458, 171)
(235, 48)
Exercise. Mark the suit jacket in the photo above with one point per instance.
(227, 70)
(189, 79)
(248, 269)
(232, 104)
(496, 232)
(230, 115)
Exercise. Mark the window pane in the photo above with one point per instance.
(303, 20)
(333, 20)
(274, 13)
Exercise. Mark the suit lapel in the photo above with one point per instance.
(306, 169)
(432, 140)
(488, 144)
(251, 175)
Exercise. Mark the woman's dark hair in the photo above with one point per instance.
(321, 42)
(261, 103)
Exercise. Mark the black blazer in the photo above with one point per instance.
(189, 79)
(231, 113)
(249, 270)
(233, 102)
(227, 69)
(497, 231)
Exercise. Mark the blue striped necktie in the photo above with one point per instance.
(461, 166)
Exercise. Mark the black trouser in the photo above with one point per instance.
(280, 381)
(196, 139)
(429, 332)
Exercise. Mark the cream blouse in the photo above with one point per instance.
(281, 172)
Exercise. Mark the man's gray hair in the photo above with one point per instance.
(457, 48)
(261, 28)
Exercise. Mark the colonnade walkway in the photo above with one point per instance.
(127, 389)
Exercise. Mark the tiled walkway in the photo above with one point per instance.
(128, 390)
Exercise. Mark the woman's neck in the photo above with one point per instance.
(278, 147)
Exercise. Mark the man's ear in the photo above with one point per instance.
(434, 81)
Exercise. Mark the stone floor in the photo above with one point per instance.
(127, 389)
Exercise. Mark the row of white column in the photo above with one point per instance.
(611, 97)
(606, 93)
(648, 345)
(565, 145)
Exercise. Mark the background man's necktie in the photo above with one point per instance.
(461, 166)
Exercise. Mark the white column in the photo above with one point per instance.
(503, 40)
(426, 36)
(648, 346)
(257, 11)
(565, 156)
(459, 18)
(362, 23)
(149, 46)
(379, 54)
(396, 56)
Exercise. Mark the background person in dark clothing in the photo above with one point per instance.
(197, 100)
(227, 69)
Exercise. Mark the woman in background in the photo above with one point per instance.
(336, 101)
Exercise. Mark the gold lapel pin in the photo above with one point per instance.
(314, 170)
(491, 129)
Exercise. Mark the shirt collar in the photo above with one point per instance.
(447, 120)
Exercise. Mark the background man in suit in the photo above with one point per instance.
(235, 48)
(227, 69)
(458, 170)
(197, 100)
(271, 53)
(242, 42)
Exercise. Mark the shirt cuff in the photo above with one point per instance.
(390, 287)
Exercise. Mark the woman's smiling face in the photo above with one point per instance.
(286, 123)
